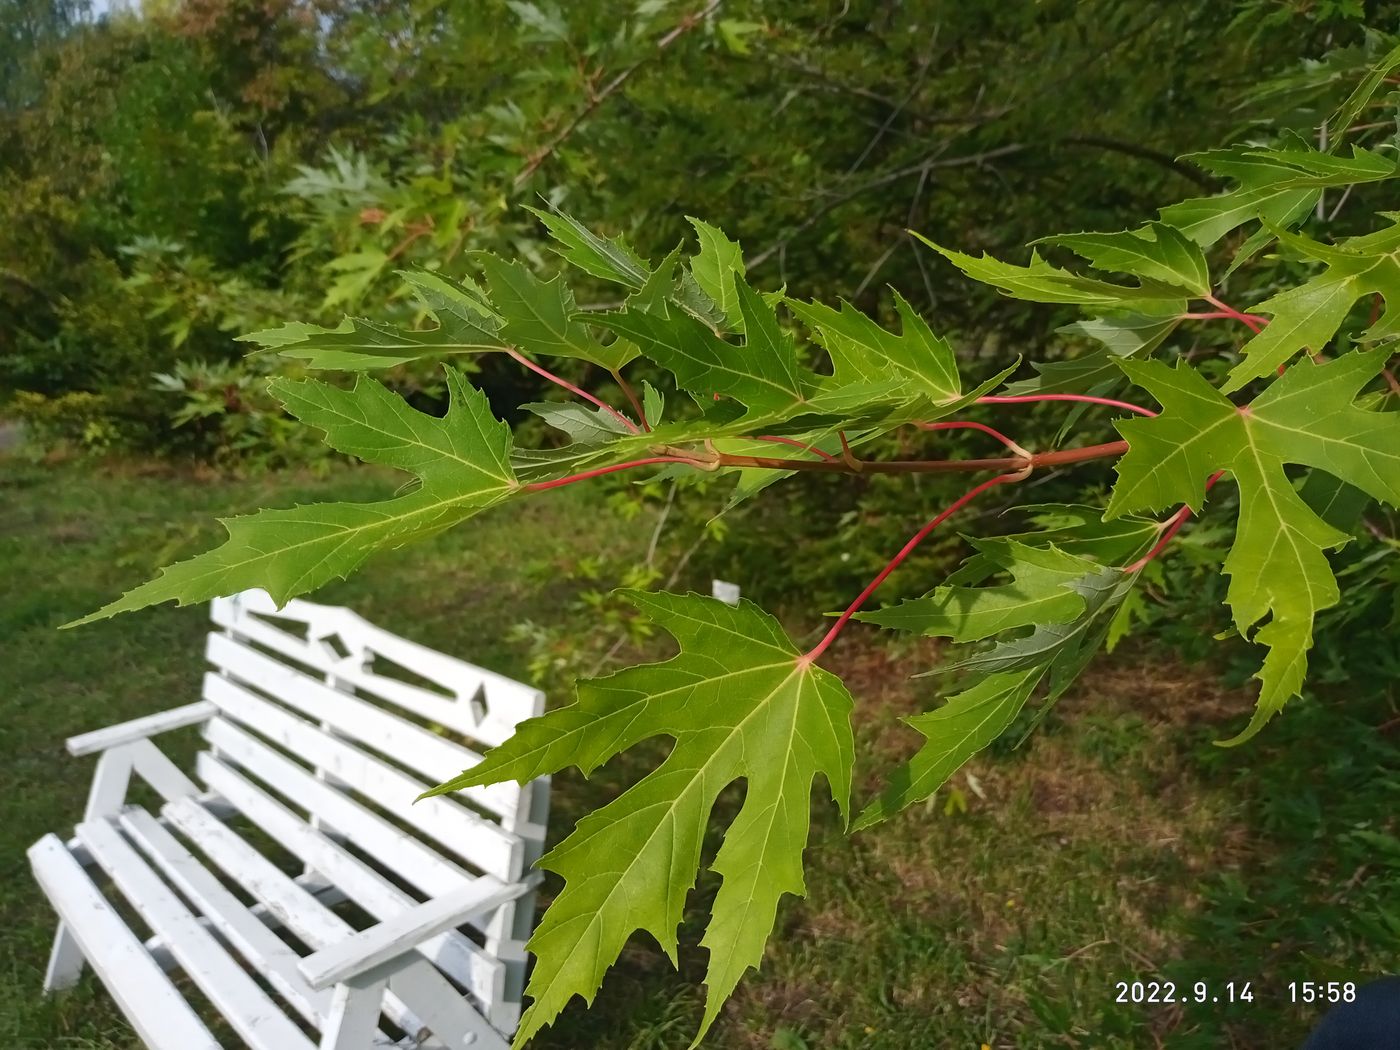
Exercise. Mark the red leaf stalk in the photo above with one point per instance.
(956, 425)
(1215, 315)
(557, 380)
(541, 486)
(908, 549)
(1170, 528)
(632, 397)
(1026, 399)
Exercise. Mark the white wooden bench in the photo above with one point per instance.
(291, 882)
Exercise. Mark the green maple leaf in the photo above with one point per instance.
(1039, 282)
(584, 424)
(1308, 315)
(963, 726)
(1067, 602)
(461, 462)
(523, 312)
(1127, 334)
(1053, 613)
(1091, 373)
(1039, 592)
(1156, 253)
(862, 352)
(1073, 529)
(1276, 185)
(460, 306)
(358, 344)
(607, 258)
(467, 324)
(660, 287)
(761, 374)
(1349, 110)
(716, 270)
(1095, 372)
(539, 317)
(1277, 565)
(653, 404)
(1063, 645)
(740, 702)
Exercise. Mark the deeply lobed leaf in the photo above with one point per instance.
(1308, 315)
(1278, 186)
(1309, 416)
(461, 462)
(740, 702)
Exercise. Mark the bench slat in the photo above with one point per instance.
(302, 913)
(422, 989)
(479, 840)
(401, 852)
(254, 940)
(507, 702)
(437, 757)
(158, 1012)
(246, 1007)
(321, 928)
(455, 954)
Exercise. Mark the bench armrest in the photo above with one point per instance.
(403, 933)
(141, 728)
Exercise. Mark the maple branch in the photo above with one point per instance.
(713, 460)
(1170, 528)
(685, 25)
(908, 549)
(559, 381)
(795, 444)
(906, 466)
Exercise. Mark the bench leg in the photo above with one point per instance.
(65, 962)
(354, 1019)
(109, 783)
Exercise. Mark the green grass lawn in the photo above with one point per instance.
(1117, 844)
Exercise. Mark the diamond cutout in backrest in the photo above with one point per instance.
(476, 704)
(334, 646)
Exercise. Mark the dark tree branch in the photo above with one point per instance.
(921, 168)
(1132, 149)
(685, 25)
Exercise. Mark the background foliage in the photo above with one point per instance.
(169, 180)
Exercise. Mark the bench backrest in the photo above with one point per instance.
(381, 713)
(345, 724)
